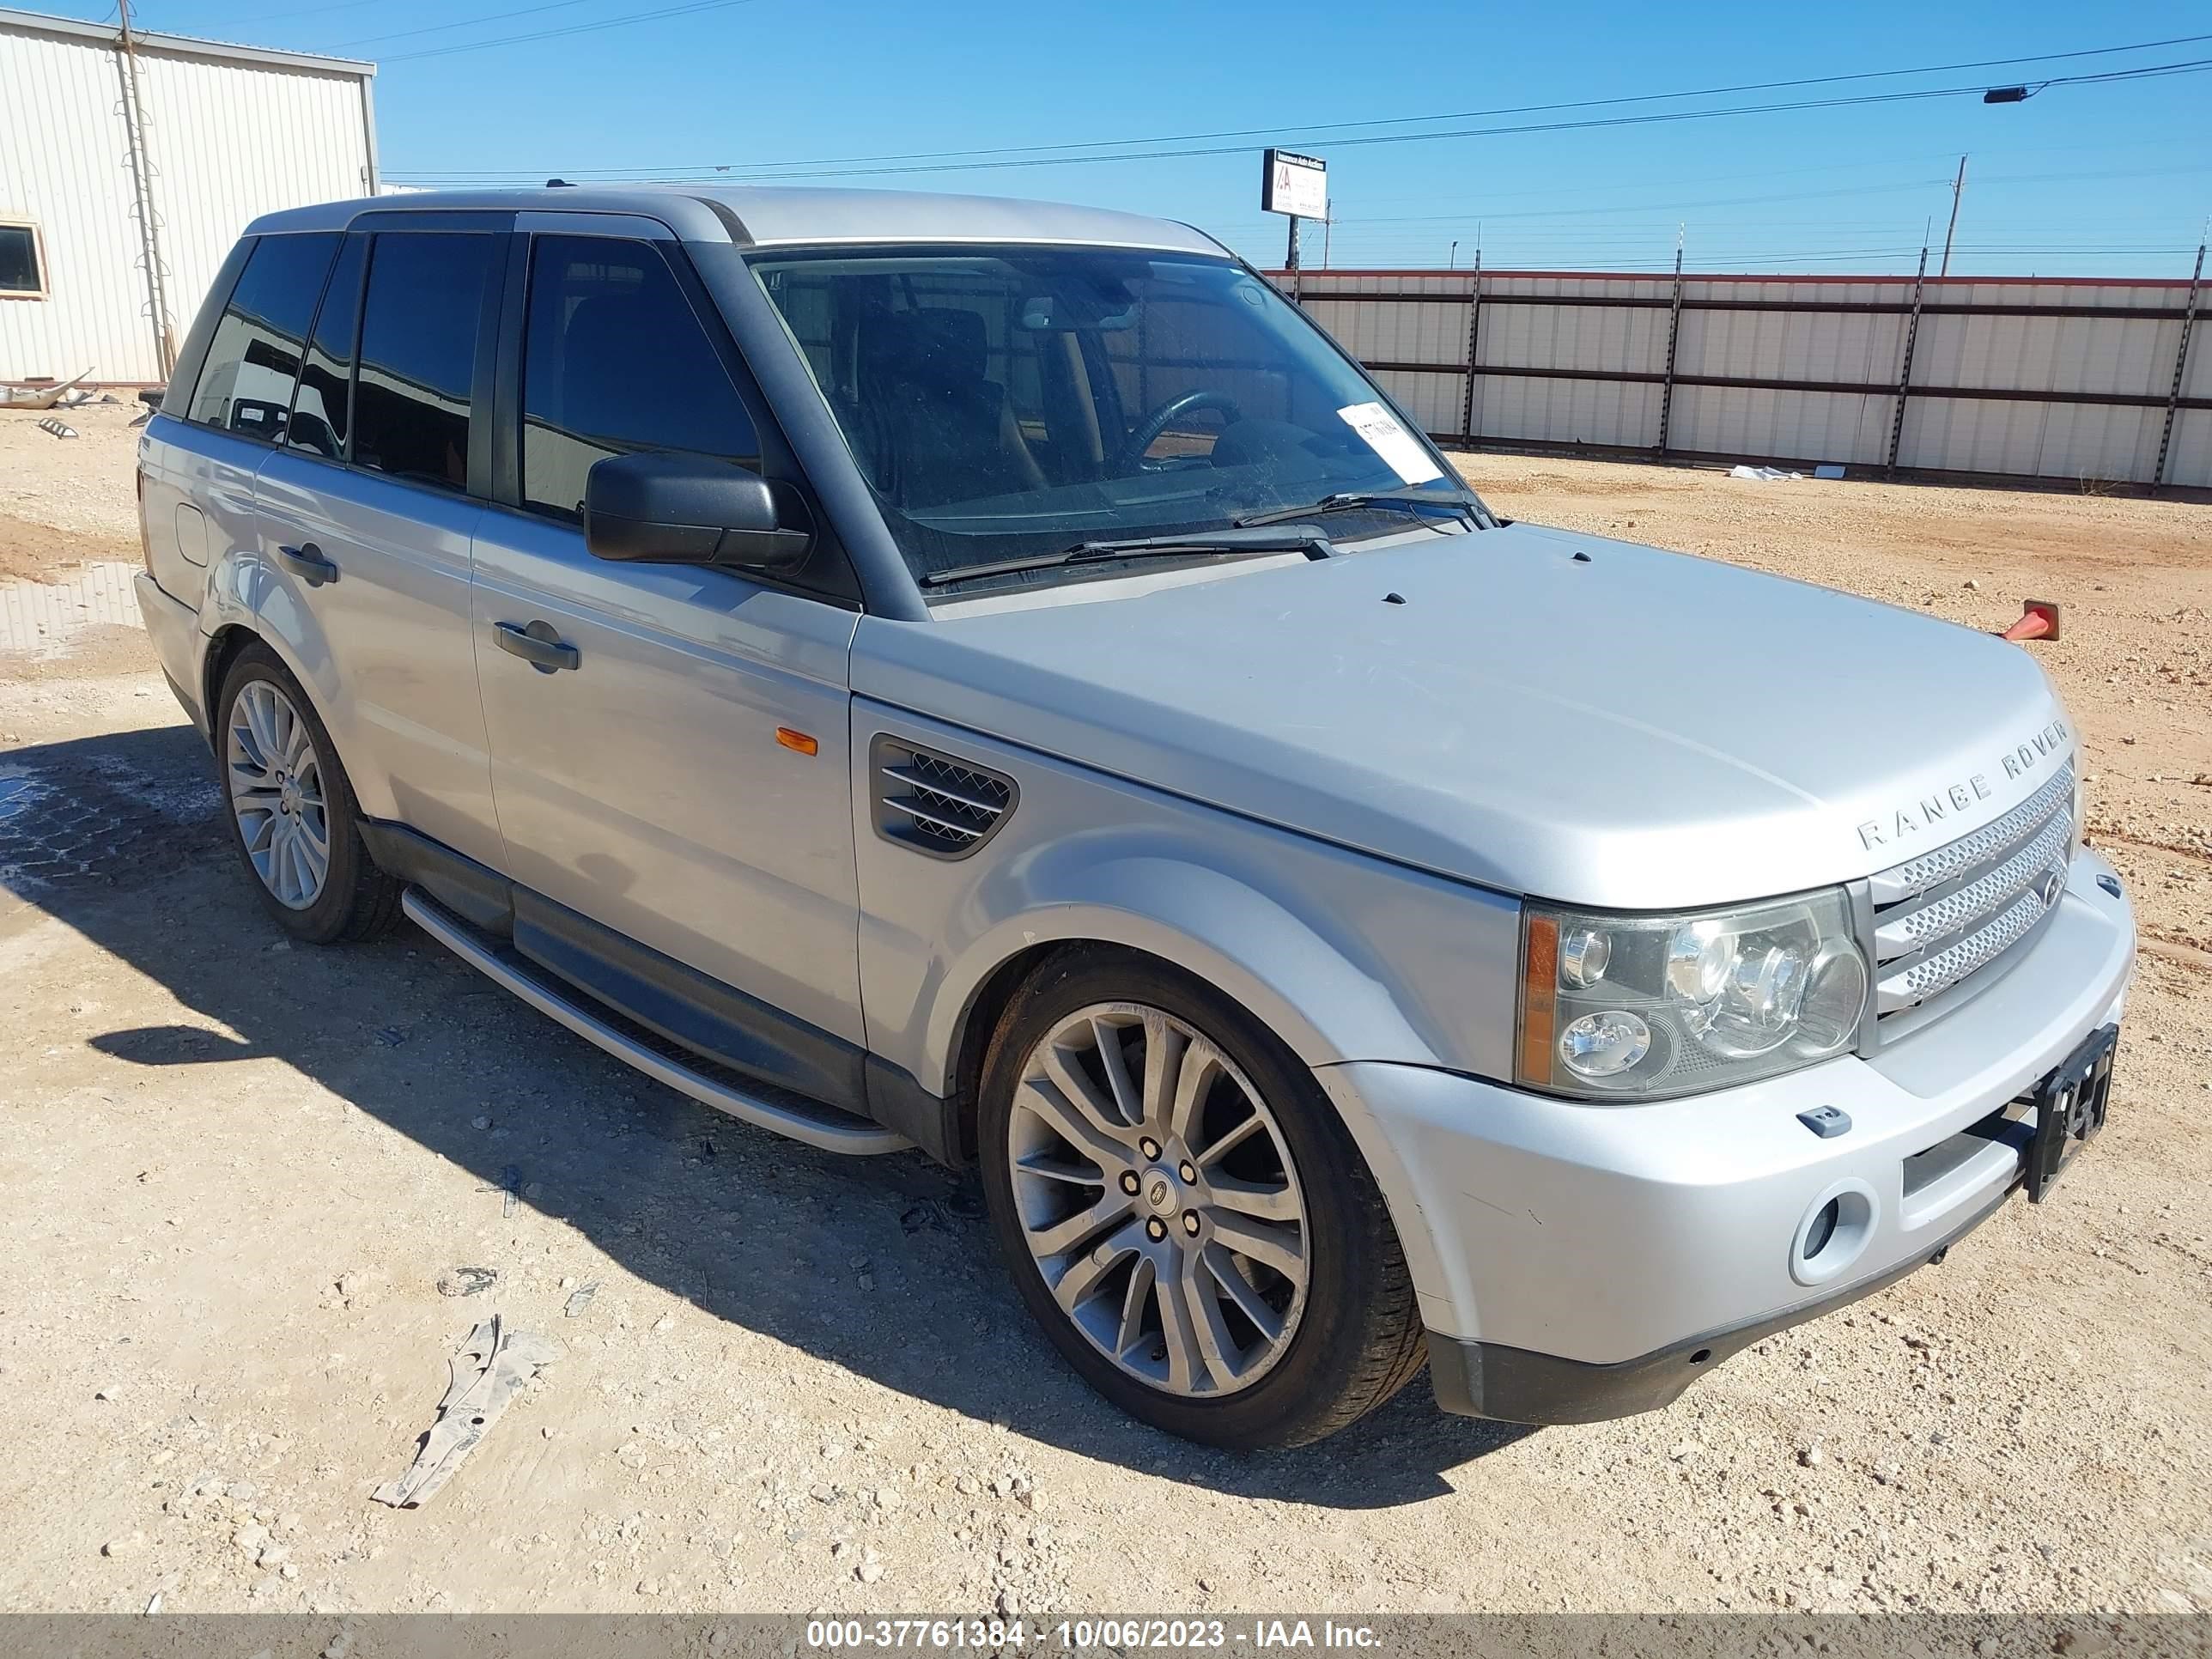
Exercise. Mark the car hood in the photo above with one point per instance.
(1540, 712)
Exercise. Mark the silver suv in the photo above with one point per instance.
(990, 678)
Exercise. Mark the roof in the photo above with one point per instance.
(181, 45)
(766, 215)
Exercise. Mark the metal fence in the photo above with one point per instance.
(2094, 380)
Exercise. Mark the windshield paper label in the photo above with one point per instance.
(1386, 436)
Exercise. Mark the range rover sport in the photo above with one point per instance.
(995, 678)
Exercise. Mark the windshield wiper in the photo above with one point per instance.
(1465, 500)
(1243, 538)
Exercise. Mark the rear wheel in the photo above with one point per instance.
(292, 816)
(1184, 1214)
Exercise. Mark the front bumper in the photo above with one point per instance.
(1579, 1262)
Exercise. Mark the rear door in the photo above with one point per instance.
(366, 515)
(683, 779)
(200, 455)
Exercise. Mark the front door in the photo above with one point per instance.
(669, 743)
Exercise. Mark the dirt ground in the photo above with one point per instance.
(233, 1173)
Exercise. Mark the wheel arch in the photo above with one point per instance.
(1240, 942)
(223, 648)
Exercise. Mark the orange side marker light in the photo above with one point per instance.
(1539, 967)
(797, 741)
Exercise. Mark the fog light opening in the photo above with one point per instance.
(1833, 1233)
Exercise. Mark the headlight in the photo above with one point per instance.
(1640, 1007)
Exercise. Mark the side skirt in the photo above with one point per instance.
(758, 1104)
(700, 1037)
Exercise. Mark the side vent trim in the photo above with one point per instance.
(938, 805)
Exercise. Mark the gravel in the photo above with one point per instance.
(251, 1230)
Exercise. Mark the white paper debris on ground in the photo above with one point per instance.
(1764, 474)
(1829, 470)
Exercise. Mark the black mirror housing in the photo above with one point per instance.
(693, 509)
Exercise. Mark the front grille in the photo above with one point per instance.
(1956, 910)
(934, 803)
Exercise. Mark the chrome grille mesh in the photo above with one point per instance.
(1924, 927)
(1955, 858)
(1977, 949)
(1954, 910)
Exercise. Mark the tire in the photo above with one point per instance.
(1321, 1325)
(324, 891)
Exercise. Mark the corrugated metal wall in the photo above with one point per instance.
(2077, 376)
(227, 141)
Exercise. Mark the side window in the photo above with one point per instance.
(246, 384)
(319, 404)
(418, 351)
(615, 362)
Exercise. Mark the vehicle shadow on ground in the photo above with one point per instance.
(882, 1265)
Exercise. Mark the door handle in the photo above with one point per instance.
(307, 564)
(544, 650)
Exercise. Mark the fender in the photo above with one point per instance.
(1291, 927)
(1250, 947)
(1238, 939)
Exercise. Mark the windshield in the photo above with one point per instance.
(1007, 403)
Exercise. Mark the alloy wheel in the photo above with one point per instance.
(276, 794)
(1158, 1198)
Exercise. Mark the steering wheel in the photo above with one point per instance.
(1148, 431)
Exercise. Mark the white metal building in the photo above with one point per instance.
(108, 237)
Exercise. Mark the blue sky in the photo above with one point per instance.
(2107, 180)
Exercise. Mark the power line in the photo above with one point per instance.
(576, 28)
(2192, 66)
(289, 13)
(1554, 256)
(1646, 205)
(1314, 132)
(462, 23)
(1670, 179)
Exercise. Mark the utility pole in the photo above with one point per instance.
(141, 185)
(1957, 190)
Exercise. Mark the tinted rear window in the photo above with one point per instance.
(320, 404)
(246, 384)
(418, 352)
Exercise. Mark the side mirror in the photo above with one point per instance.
(690, 509)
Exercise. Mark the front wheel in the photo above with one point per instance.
(1184, 1214)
